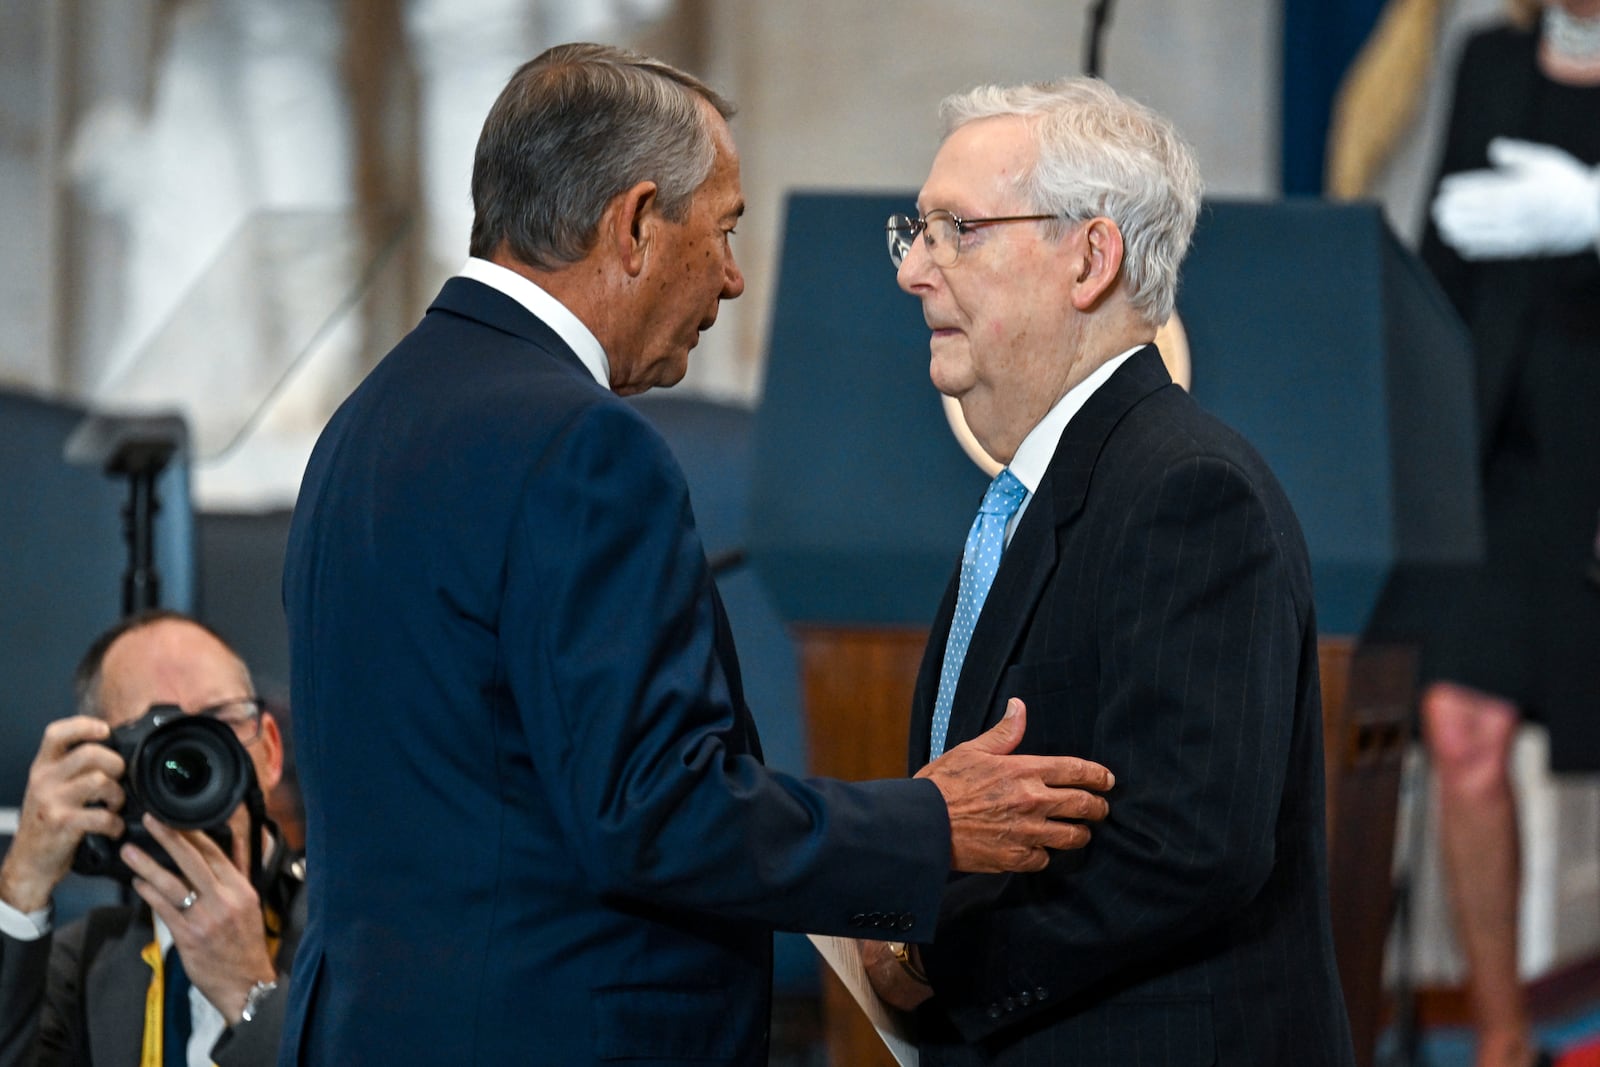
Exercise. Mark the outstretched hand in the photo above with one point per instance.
(1007, 811)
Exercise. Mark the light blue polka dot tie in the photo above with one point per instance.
(985, 541)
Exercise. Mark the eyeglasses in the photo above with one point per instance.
(941, 233)
(242, 715)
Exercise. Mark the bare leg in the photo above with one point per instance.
(1469, 735)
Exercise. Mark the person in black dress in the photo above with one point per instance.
(1512, 239)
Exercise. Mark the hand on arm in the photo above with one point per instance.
(1007, 811)
(68, 775)
(220, 936)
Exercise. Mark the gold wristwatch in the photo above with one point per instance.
(902, 954)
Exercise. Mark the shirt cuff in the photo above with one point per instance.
(25, 925)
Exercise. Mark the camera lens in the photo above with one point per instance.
(185, 772)
(190, 772)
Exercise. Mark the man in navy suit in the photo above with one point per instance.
(1151, 605)
(535, 803)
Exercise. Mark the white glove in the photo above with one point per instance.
(1537, 201)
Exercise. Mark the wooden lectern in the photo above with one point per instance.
(1311, 330)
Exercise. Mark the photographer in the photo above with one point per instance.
(194, 974)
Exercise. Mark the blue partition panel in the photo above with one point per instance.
(1312, 331)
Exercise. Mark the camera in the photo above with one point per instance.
(189, 771)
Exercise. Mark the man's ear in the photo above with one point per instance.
(269, 768)
(629, 225)
(1099, 262)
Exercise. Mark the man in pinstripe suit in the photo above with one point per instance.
(1151, 608)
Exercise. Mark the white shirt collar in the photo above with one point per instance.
(1039, 447)
(547, 309)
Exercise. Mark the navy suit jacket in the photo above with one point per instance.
(536, 808)
(1154, 612)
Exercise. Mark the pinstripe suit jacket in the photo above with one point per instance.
(1154, 611)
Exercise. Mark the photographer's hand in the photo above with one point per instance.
(68, 775)
(220, 936)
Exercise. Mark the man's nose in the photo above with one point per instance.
(914, 265)
(732, 280)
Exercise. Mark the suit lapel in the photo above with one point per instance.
(115, 977)
(1030, 560)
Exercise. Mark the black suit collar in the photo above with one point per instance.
(1066, 479)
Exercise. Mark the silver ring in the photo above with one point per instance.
(188, 902)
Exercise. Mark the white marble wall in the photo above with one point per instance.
(28, 104)
(231, 106)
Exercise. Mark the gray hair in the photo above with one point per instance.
(1100, 153)
(571, 130)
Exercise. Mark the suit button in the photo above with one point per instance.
(1040, 993)
(1010, 1005)
(907, 921)
(858, 920)
(994, 1011)
(1024, 998)
(876, 919)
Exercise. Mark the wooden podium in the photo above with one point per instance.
(1311, 331)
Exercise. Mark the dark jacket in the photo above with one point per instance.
(534, 794)
(1154, 612)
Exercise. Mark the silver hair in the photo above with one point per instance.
(1101, 153)
(572, 129)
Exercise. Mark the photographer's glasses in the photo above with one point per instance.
(941, 233)
(242, 715)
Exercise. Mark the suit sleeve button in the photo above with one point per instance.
(858, 919)
(1041, 993)
(907, 921)
(994, 1011)
(1024, 998)
(1010, 1004)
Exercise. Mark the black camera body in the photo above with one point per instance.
(189, 771)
